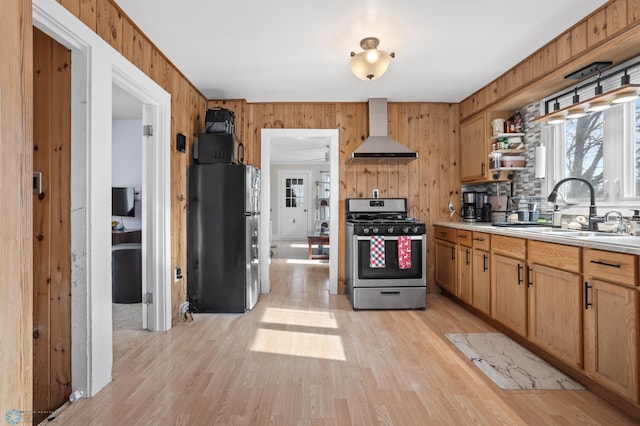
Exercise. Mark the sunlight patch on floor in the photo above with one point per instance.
(294, 343)
(300, 318)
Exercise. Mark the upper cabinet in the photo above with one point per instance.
(474, 150)
(477, 140)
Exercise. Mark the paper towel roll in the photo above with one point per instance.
(541, 162)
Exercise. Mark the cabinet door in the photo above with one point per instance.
(474, 150)
(555, 312)
(509, 292)
(446, 265)
(465, 274)
(611, 336)
(482, 281)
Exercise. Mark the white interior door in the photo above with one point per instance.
(294, 200)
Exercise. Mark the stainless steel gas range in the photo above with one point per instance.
(385, 255)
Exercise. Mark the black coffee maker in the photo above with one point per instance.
(484, 210)
(469, 210)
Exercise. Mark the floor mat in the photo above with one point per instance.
(509, 365)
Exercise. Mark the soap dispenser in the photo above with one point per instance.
(634, 223)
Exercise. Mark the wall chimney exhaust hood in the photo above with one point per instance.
(379, 148)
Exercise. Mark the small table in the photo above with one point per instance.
(320, 240)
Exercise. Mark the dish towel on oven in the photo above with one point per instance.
(404, 252)
(376, 252)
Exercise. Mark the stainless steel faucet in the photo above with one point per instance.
(622, 228)
(593, 215)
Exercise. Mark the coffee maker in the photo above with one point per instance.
(469, 210)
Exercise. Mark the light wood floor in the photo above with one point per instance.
(304, 357)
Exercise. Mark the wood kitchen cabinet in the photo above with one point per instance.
(508, 282)
(481, 272)
(465, 266)
(611, 317)
(474, 150)
(554, 300)
(446, 258)
(475, 146)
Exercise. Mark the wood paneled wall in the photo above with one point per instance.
(187, 109)
(51, 226)
(16, 282)
(429, 128)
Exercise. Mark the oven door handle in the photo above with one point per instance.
(389, 237)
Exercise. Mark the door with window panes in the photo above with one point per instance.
(294, 200)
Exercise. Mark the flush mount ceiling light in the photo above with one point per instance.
(371, 63)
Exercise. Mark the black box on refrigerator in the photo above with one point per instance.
(219, 120)
(214, 148)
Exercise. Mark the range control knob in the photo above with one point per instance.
(415, 229)
(390, 229)
(365, 230)
(375, 230)
(405, 229)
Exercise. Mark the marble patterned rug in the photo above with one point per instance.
(509, 365)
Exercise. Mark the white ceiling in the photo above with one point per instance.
(292, 50)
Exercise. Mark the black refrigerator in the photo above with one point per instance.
(223, 217)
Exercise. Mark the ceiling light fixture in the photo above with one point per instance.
(371, 63)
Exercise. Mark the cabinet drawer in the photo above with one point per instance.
(555, 255)
(509, 246)
(446, 234)
(610, 266)
(481, 241)
(465, 238)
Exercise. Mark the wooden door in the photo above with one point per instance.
(446, 265)
(611, 336)
(465, 274)
(482, 281)
(51, 226)
(554, 299)
(509, 292)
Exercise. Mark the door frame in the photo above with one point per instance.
(96, 66)
(281, 208)
(266, 137)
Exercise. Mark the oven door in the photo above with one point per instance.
(391, 274)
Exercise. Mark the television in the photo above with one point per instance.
(123, 202)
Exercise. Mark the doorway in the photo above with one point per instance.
(97, 67)
(268, 139)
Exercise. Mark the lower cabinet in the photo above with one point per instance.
(482, 280)
(465, 274)
(446, 265)
(509, 292)
(611, 336)
(555, 312)
(465, 267)
(555, 299)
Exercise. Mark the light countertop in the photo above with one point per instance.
(599, 240)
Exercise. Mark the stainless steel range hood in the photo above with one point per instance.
(379, 148)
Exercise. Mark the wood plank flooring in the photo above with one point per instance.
(304, 357)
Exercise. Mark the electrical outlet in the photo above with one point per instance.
(451, 208)
(178, 274)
